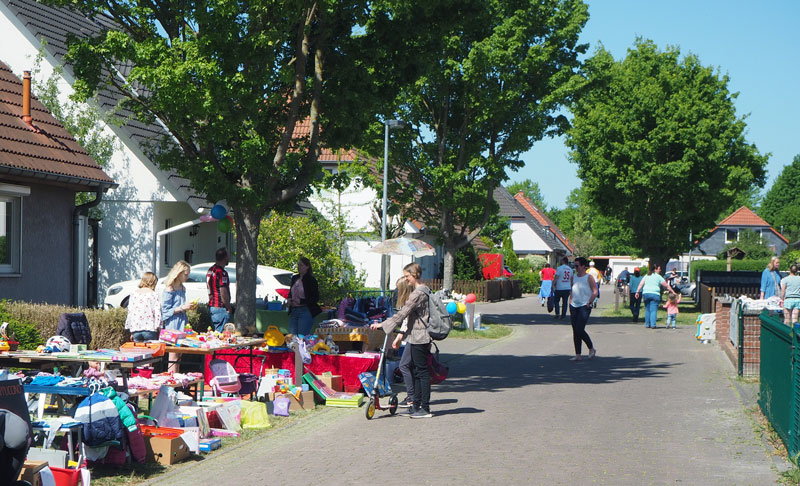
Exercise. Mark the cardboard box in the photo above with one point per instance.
(30, 472)
(164, 445)
(334, 382)
(305, 402)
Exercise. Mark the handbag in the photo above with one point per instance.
(439, 372)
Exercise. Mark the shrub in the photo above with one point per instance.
(25, 333)
(721, 265)
(528, 274)
(467, 265)
(789, 257)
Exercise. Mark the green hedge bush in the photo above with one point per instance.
(722, 265)
(528, 274)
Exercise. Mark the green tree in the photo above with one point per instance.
(232, 82)
(283, 239)
(751, 243)
(496, 230)
(659, 146)
(781, 205)
(488, 83)
(531, 190)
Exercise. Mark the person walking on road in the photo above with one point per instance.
(650, 290)
(771, 279)
(563, 283)
(635, 298)
(790, 295)
(546, 276)
(598, 277)
(582, 296)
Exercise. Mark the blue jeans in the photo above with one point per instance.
(219, 317)
(300, 321)
(651, 302)
(142, 336)
(671, 318)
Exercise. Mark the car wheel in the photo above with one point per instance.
(124, 303)
(694, 294)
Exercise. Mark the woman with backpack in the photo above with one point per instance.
(418, 340)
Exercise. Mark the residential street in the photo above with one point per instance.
(654, 407)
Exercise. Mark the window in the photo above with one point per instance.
(11, 227)
(731, 235)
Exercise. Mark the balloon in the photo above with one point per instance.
(452, 307)
(470, 298)
(224, 225)
(218, 211)
(461, 308)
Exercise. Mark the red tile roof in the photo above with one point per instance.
(542, 218)
(745, 217)
(53, 154)
(303, 129)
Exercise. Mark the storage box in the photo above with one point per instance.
(30, 472)
(164, 445)
(171, 335)
(334, 382)
(208, 445)
(305, 402)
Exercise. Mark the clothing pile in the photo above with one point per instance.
(773, 303)
(179, 380)
(363, 310)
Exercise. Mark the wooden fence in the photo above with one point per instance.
(484, 290)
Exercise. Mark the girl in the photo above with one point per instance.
(144, 310)
(173, 298)
(583, 294)
(416, 311)
(672, 308)
(403, 291)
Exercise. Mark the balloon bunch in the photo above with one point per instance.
(219, 213)
(460, 307)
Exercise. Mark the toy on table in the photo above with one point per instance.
(7, 343)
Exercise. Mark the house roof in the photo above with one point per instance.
(52, 154)
(53, 24)
(508, 206)
(543, 220)
(745, 217)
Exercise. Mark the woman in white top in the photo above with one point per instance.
(144, 310)
(584, 293)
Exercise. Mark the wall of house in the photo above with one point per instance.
(370, 263)
(526, 241)
(715, 242)
(46, 263)
(355, 203)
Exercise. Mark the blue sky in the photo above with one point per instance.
(755, 43)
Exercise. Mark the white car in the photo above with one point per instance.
(268, 281)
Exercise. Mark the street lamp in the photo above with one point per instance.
(387, 125)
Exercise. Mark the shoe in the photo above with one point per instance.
(406, 403)
(592, 352)
(421, 413)
(576, 358)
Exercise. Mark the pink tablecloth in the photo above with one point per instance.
(349, 366)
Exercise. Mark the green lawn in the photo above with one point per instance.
(687, 315)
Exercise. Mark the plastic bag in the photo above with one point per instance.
(254, 415)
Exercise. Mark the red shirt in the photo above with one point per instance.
(548, 273)
(216, 278)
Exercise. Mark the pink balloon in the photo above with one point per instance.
(470, 298)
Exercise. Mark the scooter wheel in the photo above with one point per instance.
(370, 410)
(393, 404)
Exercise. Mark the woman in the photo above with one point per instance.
(419, 341)
(635, 298)
(650, 290)
(405, 367)
(582, 296)
(144, 310)
(546, 276)
(173, 298)
(790, 295)
(771, 279)
(303, 298)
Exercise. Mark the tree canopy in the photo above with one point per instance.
(232, 82)
(781, 204)
(531, 190)
(489, 79)
(659, 146)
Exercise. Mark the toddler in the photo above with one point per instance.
(672, 309)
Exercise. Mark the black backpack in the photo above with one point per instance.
(439, 320)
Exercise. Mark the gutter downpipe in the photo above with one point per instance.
(83, 209)
(167, 231)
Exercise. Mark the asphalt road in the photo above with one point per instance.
(654, 407)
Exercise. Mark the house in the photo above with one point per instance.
(147, 199)
(43, 235)
(533, 232)
(729, 230)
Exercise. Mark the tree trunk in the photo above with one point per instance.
(449, 267)
(248, 225)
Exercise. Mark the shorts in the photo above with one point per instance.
(790, 304)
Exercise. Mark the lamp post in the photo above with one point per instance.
(387, 125)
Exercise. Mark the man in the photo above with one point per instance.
(597, 276)
(219, 293)
(563, 283)
(623, 277)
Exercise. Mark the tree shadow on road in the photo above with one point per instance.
(503, 372)
(525, 319)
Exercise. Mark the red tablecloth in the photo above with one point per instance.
(349, 366)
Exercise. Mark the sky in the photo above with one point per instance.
(754, 43)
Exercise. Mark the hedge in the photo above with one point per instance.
(33, 324)
(722, 265)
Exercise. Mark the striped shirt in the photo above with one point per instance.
(216, 278)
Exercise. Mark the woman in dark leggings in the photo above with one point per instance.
(584, 293)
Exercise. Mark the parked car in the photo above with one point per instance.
(268, 281)
(688, 289)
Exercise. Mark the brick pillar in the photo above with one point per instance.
(723, 311)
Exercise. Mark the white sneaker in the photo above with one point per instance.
(576, 358)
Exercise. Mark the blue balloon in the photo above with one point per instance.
(218, 211)
(452, 307)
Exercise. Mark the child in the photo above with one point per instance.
(672, 308)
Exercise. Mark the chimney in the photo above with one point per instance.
(26, 101)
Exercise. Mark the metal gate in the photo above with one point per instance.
(735, 319)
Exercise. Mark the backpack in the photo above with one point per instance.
(439, 320)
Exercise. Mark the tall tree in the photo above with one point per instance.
(531, 190)
(781, 205)
(232, 81)
(659, 146)
(489, 80)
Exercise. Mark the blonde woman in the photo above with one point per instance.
(771, 279)
(144, 310)
(173, 298)
(403, 291)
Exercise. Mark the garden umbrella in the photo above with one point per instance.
(404, 246)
